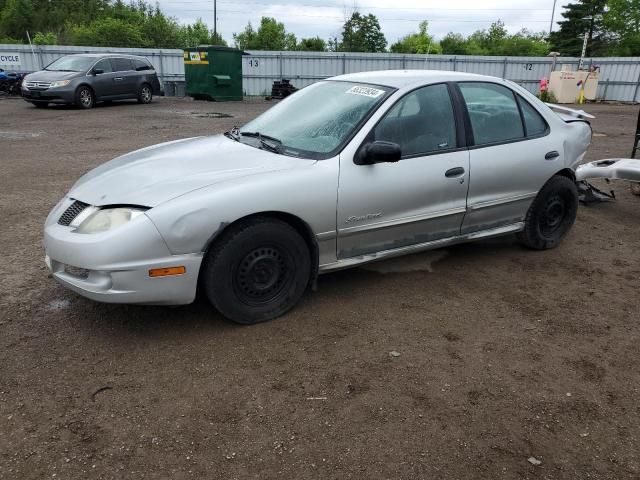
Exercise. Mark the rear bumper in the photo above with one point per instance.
(613, 168)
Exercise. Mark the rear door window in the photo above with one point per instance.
(141, 65)
(493, 111)
(121, 64)
(533, 121)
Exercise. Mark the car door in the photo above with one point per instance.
(103, 83)
(419, 199)
(513, 155)
(125, 78)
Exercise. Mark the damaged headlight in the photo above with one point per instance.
(107, 219)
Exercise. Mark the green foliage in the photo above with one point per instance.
(623, 21)
(271, 35)
(547, 96)
(362, 33)
(9, 40)
(496, 41)
(44, 38)
(420, 42)
(580, 17)
(16, 18)
(315, 44)
(107, 32)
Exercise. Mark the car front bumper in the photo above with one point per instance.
(114, 266)
(62, 95)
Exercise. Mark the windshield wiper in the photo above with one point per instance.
(263, 141)
(233, 134)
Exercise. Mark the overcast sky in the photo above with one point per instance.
(308, 18)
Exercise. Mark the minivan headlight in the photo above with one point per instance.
(59, 83)
(107, 219)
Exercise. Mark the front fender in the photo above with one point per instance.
(190, 222)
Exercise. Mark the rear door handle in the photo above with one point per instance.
(454, 172)
(552, 155)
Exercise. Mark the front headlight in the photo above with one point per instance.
(59, 83)
(107, 219)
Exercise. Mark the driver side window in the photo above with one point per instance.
(423, 122)
(105, 65)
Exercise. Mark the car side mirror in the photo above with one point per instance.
(97, 71)
(378, 152)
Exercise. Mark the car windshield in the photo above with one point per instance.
(316, 121)
(71, 63)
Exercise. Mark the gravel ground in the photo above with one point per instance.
(500, 353)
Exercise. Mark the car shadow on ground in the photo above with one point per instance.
(201, 317)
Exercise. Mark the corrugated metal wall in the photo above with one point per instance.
(619, 77)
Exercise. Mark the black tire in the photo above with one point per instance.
(551, 215)
(40, 104)
(145, 94)
(635, 188)
(257, 271)
(85, 98)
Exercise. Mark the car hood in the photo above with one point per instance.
(155, 174)
(52, 76)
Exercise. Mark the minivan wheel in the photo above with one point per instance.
(85, 97)
(40, 104)
(551, 215)
(257, 271)
(145, 95)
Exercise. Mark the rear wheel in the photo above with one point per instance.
(257, 271)
(635, 188)
(145, 95)
(85, 97)
(551, 214)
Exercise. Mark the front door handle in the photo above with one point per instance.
(454, 172)
(117, 79)
(551, 155)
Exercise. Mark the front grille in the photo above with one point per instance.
(36, 84)
(72, 212)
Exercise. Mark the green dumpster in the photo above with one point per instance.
(213, 73)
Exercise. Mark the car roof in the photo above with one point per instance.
(406, 78)
(104, 55)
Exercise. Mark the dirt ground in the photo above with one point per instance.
(504, 353)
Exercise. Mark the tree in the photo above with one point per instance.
(585, 16)
(16, 18)
(420, 42)
(44, 38)
(315, 44)
(198, 34)
(362, 33)
(271, 35)
(623, 21)
(108, 32)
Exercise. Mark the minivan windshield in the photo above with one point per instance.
(316, 121)
(71, 63)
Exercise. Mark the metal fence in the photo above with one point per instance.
(619, 76)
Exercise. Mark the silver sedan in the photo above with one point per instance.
(349, 170)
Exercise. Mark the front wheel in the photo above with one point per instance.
(145, 95)
(85, 97)
(635, 188)
(551, 214)
(257, 271)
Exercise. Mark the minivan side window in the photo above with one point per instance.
(103, 64)
(422, 122)
(493, 112)
(141, 65)
(533, 121)
(121, 64)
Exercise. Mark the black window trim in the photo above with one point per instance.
(458, 116)
(470, 138)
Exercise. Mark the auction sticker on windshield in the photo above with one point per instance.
(365, 91)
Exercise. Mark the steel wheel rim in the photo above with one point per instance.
(553, 216)
(262, 275)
